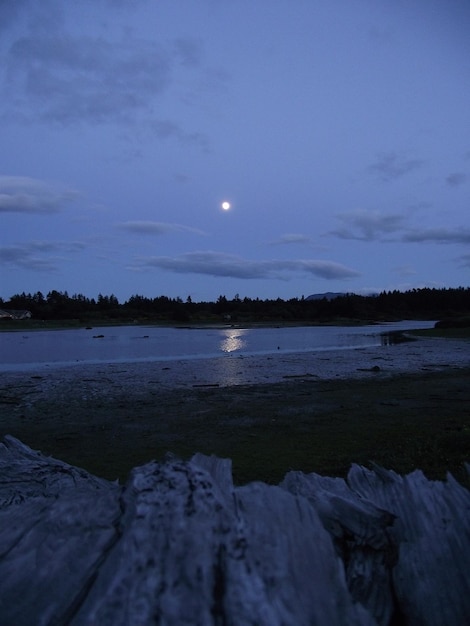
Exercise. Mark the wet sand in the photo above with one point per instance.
(403, 406)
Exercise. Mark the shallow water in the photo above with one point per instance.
(24, 350)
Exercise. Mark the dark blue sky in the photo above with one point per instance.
(338, 130)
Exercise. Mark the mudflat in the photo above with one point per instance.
(405, 407)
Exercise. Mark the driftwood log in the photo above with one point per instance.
(179, 544)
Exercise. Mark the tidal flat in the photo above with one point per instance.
(407, 408)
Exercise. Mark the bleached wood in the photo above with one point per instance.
(432, 576)
(362, 534)
(56, 524)
(179, 544)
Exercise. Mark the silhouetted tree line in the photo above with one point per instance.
(389, 305)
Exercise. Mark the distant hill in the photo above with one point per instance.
(329, 295)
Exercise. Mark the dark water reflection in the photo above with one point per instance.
(146, 343)
(395, 337)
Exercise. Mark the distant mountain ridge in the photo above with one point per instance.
(329, 295)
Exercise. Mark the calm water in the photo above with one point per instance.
(21, 350)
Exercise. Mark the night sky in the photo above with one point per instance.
(338, 131)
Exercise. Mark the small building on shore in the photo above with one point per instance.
(9, 314)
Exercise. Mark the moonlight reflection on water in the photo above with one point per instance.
(233, 340)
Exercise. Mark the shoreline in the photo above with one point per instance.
(404, 406)
(46, 354)
(413, 355)
(35, 324)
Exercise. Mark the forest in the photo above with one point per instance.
(426, 303)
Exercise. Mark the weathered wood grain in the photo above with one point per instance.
(179, 544)
(56, 524)
(431, 579)
(362, 534)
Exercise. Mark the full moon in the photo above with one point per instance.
(226, 205)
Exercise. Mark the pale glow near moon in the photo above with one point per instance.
(225, 205)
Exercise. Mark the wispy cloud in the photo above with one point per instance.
(393, 165)
(56, 77)
(291, 238)
(367, 225)
(438, 235)
(143, 227)
(219, 264)
(456, 179)
(324, 269)
(167, 129)
(20, 194)
(70, 78)
(39, 256)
